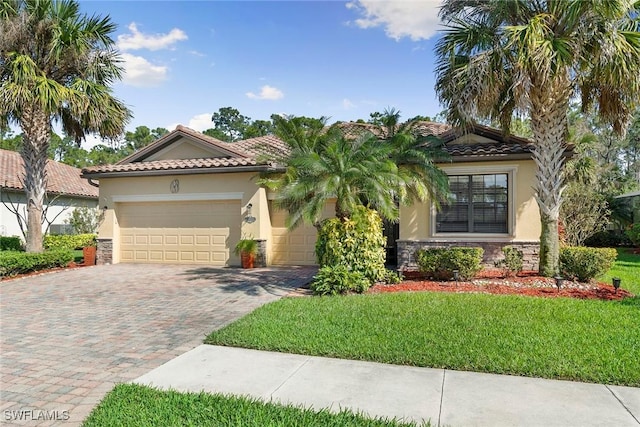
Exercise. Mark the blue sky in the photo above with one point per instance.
(186, 59)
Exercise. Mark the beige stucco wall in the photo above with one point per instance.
(228, 186)
(416, 221)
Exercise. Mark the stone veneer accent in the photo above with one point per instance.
(261, 256)
(492, 252)
(104, 251)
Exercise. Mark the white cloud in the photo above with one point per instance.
(138, 40)
(416, 19)
(201, 122)
(347, 104)
(267, 92)
(142, 73)
(196, 53)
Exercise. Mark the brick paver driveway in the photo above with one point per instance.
(68, 337)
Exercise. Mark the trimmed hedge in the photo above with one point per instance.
(12, 243)
(69, 241)
(633, 233)
(585, 264)
(13, 263)
(608, 239)
(439, 263)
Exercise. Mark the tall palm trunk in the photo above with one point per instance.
(37, 132)
(549, 126)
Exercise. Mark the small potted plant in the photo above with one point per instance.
(247, 250)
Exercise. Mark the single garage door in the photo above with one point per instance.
(194, 232)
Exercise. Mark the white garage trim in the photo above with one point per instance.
(176, 197)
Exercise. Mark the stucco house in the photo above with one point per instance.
(66, 190)
(188, 198)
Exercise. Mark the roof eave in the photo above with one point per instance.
(186, 171)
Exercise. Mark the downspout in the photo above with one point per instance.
(93, 183)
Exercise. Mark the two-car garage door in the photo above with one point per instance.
(187, 232)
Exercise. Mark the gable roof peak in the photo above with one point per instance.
(200, 138)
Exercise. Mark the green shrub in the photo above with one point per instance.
(584, 264)
(608, 239)
(392, 278)
(512, 262)
(12, 262)
(357, 243)
(12, 243)
(85, 220)
(439, 263)
(633, 233)
(69, 241)
(339, 279)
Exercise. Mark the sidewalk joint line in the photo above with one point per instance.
(623, 405)
(289, 377)
(444, 373)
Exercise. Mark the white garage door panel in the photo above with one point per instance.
(179, 232)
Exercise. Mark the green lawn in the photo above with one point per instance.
(627, 267)
(135, 405)
(585, 340)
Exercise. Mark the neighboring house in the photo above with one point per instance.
(631, 201)
(188, 198)
(65, 191)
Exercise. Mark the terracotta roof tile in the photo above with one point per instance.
(61, 178)
(490, 149)
(169, 165)
(422, 128)
(261, 144)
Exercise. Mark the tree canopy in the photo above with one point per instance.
(55, 64)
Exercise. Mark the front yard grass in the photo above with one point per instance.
(627, 268)
(561, 338)
(140, 406)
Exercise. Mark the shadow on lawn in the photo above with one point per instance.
(631, 301)
(276, 281)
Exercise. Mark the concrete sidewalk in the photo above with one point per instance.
(451, 398)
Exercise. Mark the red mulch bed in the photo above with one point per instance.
(493, 282)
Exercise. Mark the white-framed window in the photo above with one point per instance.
(481, 202)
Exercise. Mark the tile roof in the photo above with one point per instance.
(421, 128)
(258, 145)
(61, 179)
(249, 150)
(489, 149)
(171, 165)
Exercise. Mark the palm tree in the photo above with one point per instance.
(55, 64)
(323, 165)
(497, 58)
(415, 155)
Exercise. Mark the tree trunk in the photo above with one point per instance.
(37, 131)
(549, 105)
(549, 247)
